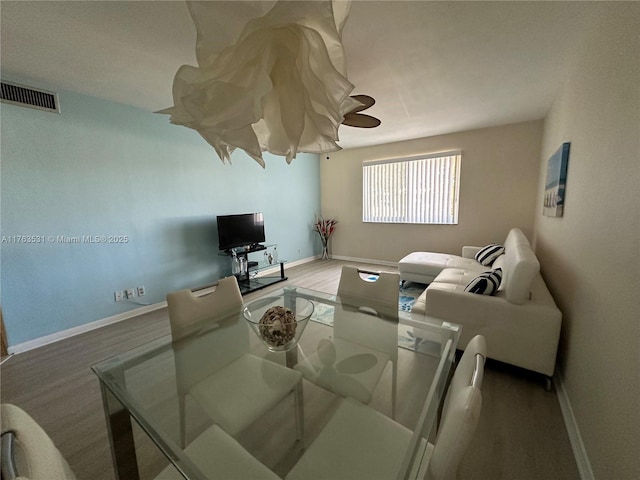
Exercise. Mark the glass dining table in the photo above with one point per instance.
(396, 362)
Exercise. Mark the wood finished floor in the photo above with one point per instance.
(521, 434)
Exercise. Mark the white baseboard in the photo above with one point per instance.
(579, 450)
(365, 260)
(87, 327)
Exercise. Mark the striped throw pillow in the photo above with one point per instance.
(487, 255)
(486, 283)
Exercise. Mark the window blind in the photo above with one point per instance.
(422, 189)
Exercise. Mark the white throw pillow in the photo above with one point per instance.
(487, 255)
(486, 283)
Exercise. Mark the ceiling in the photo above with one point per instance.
(433, 67)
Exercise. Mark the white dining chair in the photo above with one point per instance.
(213, 364)
(218, 455)
(352, 363)
(380, 295)
(28, 453)
(360, 443)
(384, 290)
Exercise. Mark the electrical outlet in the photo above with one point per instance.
(118, 295)
(141, 290)
(131, 293)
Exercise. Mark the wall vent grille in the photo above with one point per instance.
(29, 97)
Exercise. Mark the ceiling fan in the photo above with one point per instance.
(355, 119)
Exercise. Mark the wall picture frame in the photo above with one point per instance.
(555, 185)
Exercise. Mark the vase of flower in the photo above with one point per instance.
(325, 248)
(325, 228)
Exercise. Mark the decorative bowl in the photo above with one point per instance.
(278, 320)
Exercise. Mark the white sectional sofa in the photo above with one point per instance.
(520, 322)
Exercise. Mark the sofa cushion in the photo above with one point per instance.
(487, 255)
(458, 276)
(486, 283)
(427, 265)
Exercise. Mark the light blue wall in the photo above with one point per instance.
(102, 168)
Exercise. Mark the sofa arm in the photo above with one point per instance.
(523, 335)
(470, 251)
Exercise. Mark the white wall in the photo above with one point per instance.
(590, 257)
(500, 167)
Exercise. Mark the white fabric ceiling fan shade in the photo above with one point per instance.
(281, 88)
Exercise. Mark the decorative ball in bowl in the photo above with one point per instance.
(278, 320)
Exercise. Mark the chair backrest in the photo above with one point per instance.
(365, 329)
(380, 294)
(208, 332)
(461, 412)
(27, 451)
(187, 312)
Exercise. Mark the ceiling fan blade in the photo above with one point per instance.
(360, 120)
(366, 100)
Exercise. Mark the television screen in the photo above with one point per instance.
(240, 230)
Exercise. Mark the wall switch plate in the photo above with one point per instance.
(118, 295)
(131, 293)
(141, 290)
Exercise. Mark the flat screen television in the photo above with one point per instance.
(240, 230)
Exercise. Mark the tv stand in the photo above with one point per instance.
(256, 247)
(250, 281)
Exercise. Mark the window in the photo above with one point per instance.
(421, 189)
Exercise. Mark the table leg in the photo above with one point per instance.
(298, 394)
(299, 406)
(123, 450)
(291, 357)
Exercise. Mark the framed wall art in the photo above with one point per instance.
(554, 193)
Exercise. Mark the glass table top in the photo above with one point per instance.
(343, 347)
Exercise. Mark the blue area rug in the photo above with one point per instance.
(408, 295)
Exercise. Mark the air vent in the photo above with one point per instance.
(29, 97)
